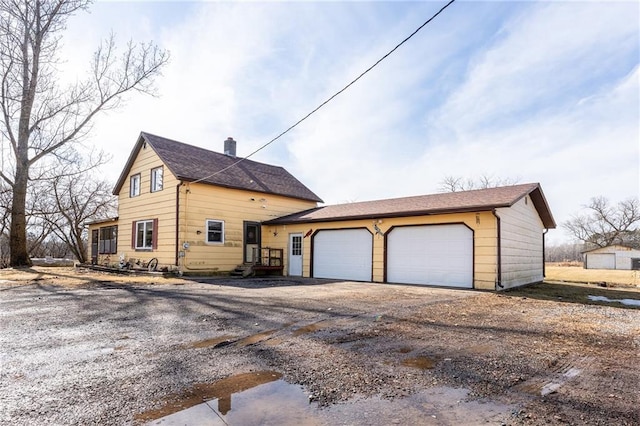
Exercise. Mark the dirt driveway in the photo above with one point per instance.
(102, 352)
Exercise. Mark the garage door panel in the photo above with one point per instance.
(433, 254)
(343, 254)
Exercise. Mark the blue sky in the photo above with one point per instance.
(535, 91)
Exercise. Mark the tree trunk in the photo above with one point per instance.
(18, 234)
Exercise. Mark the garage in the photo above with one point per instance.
(601, 261)
(431, 254)
(344, 254)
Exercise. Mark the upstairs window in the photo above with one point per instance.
(215, 231)
(134, 185)
(156, 179)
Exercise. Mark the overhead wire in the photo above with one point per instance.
(397, 46)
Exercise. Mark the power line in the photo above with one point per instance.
(332, 96)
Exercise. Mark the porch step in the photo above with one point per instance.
(242, 271)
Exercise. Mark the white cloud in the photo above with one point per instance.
(541, 91)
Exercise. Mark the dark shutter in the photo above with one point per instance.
(154, 235)
(133, 235)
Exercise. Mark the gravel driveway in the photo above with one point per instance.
(107, 353)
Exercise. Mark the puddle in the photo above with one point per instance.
(221, 391)
(216, 341)
(255, 338)
(421, 362)
(480, 349)
(628, 302)
(280, 403)
(311, 328)
(553, 387)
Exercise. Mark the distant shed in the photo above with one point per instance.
(612, 257)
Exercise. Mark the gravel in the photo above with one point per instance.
(105, 353)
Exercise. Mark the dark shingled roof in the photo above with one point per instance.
(451, 202)
(190, 163)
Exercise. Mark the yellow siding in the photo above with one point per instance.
(199, 202)
(160, 205)
(483, 225)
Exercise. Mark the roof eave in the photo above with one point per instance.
(125, 171)
(204, 182)
(383, 215)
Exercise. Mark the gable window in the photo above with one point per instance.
(156, 179)
(215, 231)
(134, 185)
(107, 240)
(144, 234)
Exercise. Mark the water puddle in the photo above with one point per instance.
(263, 398)
(311, 328)
(421, 362)
(553, 386)
(405, 350)
(255, 338)
(215, 342)
(628, 302)
(220, 391)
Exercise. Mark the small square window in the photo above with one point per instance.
(156, 179)
(134, 188)
(215, 231)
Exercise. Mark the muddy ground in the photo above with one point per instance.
(80, 348)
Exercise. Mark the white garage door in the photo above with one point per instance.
(434, 255)
(601, 261)
(344, 254)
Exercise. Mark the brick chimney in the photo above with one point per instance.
(230, 147)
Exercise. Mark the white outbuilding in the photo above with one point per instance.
(612, 257)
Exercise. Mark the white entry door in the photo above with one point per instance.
(295, 255)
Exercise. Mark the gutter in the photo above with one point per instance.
(499, 248)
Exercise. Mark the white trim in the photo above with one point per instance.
(145, 224)
(206, 231)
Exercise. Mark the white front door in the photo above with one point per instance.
(295, 255)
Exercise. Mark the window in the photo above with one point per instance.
(156, 179)
(134, 188)
(144, 234)
(107, 240)
(296, 245)
(215, 231)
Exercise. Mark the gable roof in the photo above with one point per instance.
(190, 163)
(451, 202)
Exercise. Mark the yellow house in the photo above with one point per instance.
(198, 211)
(483, 239)
(193, 210)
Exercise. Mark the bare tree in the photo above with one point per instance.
(458, 183)
(604, 224)
(72, 200)
(39, 118)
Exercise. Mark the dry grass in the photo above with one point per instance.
(74, 277)
(580, 275)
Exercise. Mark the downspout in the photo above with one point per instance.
(544, 271)
(499, 249)
(178, 223)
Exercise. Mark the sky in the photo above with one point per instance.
(529, 91)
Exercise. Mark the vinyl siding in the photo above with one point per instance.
(159, 205)
(200, 202)
(521, 233)
(483, 225)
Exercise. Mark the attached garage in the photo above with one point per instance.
(343, 254)
(440, 255)
(489, 239)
